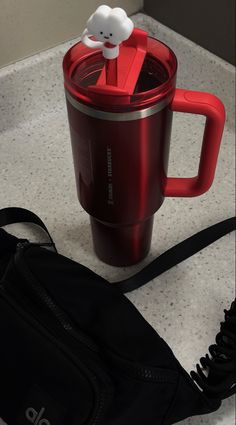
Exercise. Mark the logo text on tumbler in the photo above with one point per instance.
(109, 175)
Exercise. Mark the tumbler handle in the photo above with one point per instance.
(210, 106)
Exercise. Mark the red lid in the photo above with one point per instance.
(146, 73)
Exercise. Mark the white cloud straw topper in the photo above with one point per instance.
(110, 27)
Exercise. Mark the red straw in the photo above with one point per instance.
(111, 72)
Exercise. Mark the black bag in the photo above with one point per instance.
(75, 351)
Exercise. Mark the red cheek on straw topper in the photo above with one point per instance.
(110, 28)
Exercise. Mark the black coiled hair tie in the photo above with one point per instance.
(216, 374)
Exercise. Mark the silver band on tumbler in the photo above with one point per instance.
(118, 116)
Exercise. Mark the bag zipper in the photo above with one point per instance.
(142, 372)
(64, 321)
(46, 299)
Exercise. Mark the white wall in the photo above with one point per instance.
(29, 26)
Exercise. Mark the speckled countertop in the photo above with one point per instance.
(185, 305)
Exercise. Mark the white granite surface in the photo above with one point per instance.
(185, 305)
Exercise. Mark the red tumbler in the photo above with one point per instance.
(121, 138)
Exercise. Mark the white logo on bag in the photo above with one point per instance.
(36, 418)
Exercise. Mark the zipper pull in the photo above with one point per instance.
(24, 243)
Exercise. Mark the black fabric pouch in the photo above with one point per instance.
(75, 351)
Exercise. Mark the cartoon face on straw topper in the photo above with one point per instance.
(109, 27)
